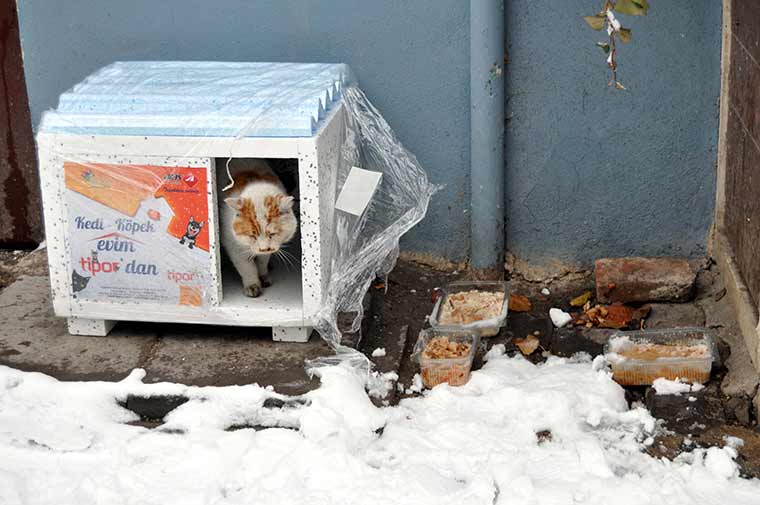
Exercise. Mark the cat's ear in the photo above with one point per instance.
(234, 203)
(286, 203)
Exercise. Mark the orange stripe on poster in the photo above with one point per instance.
(124, 188)
(119, 187)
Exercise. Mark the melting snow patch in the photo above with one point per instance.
(474, 444)
(559, 317)
(378, 352)
(380, 384)
(416, 386)
(664, 386)
(734, 442)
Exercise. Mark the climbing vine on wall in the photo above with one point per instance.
(606, 19)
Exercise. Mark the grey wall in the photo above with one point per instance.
(589, 171)
(594, 172)
(411, 58)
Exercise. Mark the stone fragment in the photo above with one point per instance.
(739, 408)
(684, 413)
(688, 413)
(635, 279)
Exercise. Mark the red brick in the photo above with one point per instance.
(643, 280)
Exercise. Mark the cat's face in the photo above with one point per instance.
(264, 225)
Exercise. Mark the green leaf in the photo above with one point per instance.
(644, 4)
(625, 35)
(595, 22)
(605, 47)
(632, 7)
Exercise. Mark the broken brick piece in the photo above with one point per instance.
(644, 279)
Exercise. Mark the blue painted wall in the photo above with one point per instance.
(589, 171)
(410, 57)
(593, 172)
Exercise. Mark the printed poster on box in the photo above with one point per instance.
(138, 233)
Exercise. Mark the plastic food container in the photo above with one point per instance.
(454, 371)
(484, 327)
(640, 357)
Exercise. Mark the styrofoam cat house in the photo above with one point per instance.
(129, 166)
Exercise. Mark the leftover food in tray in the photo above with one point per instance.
(443, 348)
(468, 307)
(660, 351)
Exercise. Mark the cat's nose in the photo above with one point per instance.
(268, 250)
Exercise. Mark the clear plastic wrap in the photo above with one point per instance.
(136, 160)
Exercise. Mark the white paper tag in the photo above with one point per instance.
(358, 190)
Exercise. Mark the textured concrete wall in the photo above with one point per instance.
(411, 58)
(594, 172)
(589, 172)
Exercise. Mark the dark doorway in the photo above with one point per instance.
(20, 214)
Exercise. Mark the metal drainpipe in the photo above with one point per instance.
(487, 137)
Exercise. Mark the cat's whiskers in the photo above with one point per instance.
(286, 261)
(289, 254)
(295, 260)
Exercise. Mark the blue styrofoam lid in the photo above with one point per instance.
(200, 99)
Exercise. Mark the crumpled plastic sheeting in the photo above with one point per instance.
(367, 247)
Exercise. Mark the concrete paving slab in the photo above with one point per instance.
(741, 378)
(33, 339)
(221, 356)
(675, 315)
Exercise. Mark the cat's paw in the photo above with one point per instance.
(265, 281)
(254, 291)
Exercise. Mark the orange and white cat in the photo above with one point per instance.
(257, 221)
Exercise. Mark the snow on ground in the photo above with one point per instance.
(663, 386)
(66, 443)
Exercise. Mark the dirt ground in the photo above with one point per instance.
(397, 311)
(717, 415)
(9, 259)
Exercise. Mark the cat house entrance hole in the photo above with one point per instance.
(283, 298)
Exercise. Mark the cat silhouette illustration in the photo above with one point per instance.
(78, 282)
(193, 230)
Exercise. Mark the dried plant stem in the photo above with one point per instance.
(613, 58)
